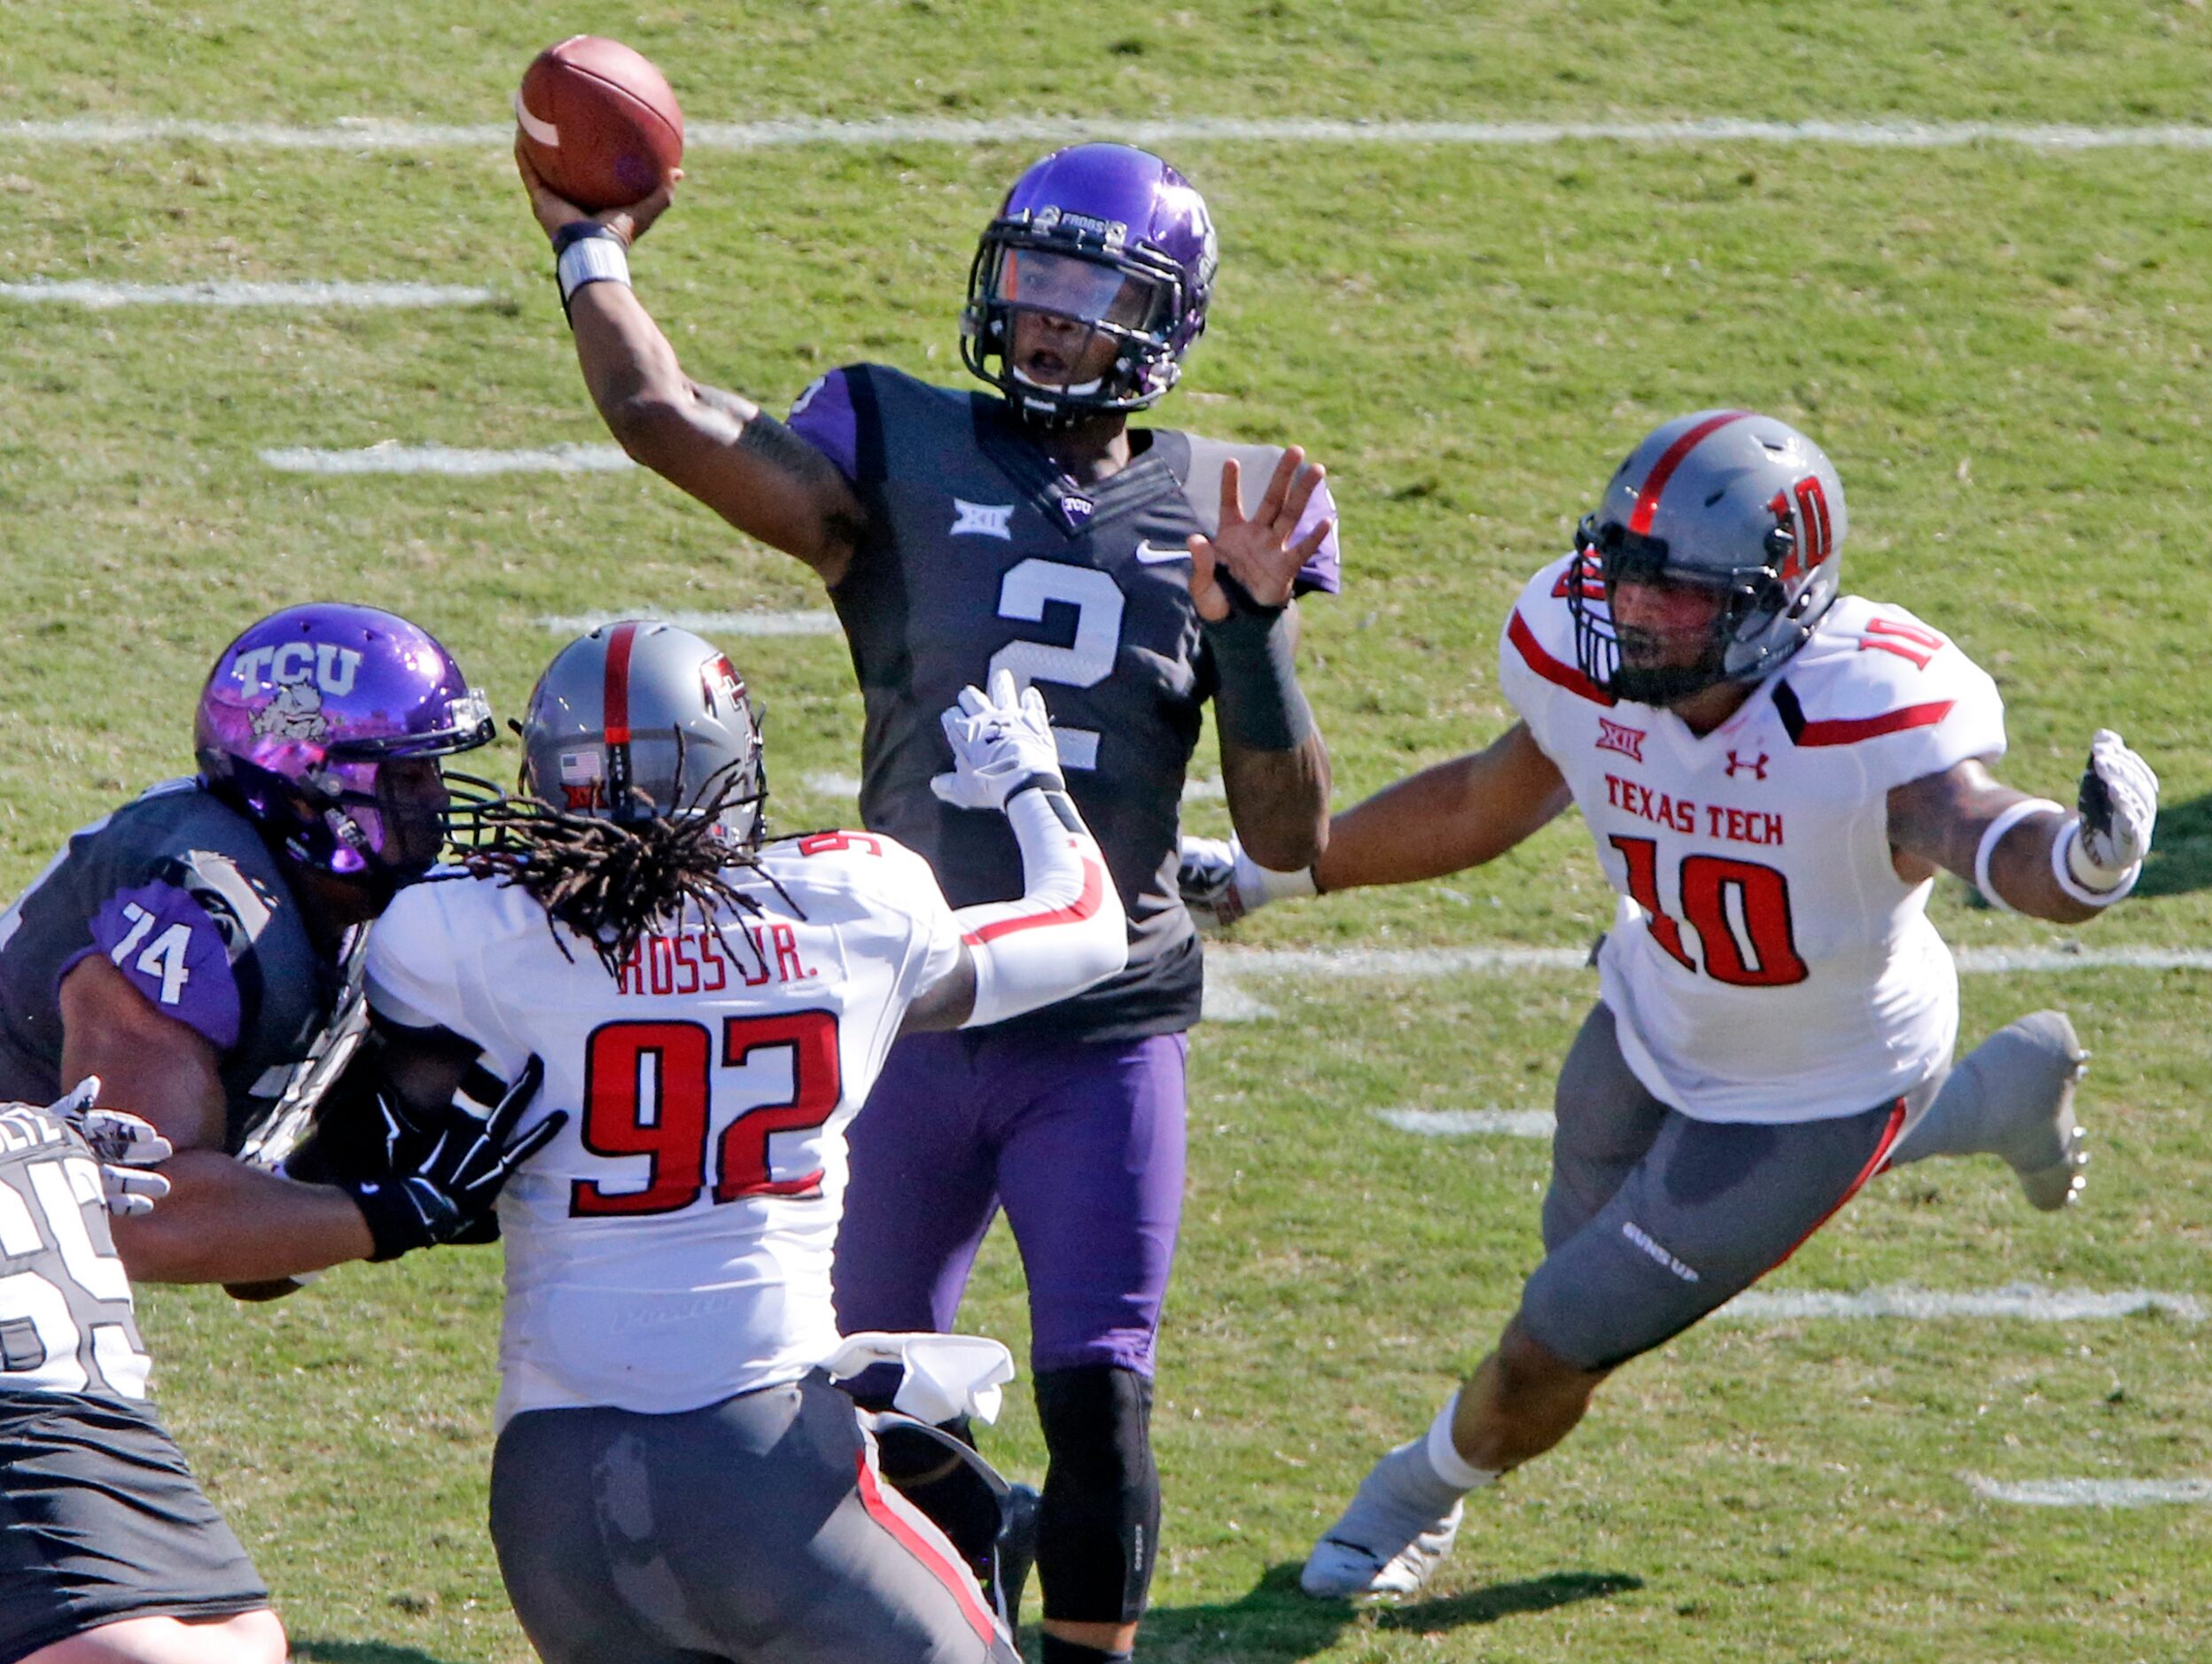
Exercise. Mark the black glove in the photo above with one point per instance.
(465, 1156)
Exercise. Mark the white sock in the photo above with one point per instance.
(1444, 1456)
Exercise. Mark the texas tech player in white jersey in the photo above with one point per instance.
(713, 1079)
(709, 1009)
(1766, 961)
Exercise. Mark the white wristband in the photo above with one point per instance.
(1257, 885)
(2063, 848)
(592, 260)
(2004, 822)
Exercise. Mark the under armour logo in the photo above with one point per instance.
(1756, 765)
(1614, 736)
(982, 519)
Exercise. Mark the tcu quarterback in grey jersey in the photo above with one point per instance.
(1130, 575)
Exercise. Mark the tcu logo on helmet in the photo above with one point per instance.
(330, 667)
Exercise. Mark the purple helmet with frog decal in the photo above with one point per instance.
(1112, 238)
(305, 718)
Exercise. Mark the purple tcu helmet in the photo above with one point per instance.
(303, 717)
(1725, 501)
(1110, 236)
(639, 720)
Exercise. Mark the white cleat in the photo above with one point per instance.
(2050, 1166)
(1365, 1553)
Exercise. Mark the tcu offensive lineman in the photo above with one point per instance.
(961, 534)
(186, 949)
(675, 1478)
(1773, 773)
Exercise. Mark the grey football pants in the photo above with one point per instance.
(1653, 1220)
(750, 1531)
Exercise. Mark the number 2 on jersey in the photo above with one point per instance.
(649, 1090)
(1739, 909)
(1085, 662)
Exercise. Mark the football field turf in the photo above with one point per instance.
(2001, 342)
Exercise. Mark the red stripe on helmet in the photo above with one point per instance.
(618, 691)
(1647, 499)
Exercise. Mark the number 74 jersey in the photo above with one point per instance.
(1766, 962)
(672, 1245)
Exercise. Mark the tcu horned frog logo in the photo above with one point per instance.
(300, 674)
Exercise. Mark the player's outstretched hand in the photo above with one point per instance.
(1002, 742)
(1262, 554)
(554, 211)
(456, 1182)
(1220, 883)
(2119, 804)
(123, 1144)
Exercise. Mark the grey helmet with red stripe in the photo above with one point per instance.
(1726, 501)
(640, 720)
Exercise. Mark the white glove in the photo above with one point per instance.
(1002, 742)
(123, 1143)
(1220, 883)
(946, 1375)
(2119, 807)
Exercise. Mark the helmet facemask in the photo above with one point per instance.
(1632, 663)
(1102, 291)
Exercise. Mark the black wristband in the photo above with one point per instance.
(1258, 703)
(396, 1219)
(575, 231)
(1039, 781)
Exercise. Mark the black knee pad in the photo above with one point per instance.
(1099, 1530)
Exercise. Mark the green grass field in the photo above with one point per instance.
(2003, 348)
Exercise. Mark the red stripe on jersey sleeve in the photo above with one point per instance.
(1852, 730)
(1085, 905)
(1550, 669)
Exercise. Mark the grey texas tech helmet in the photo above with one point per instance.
(1722, 500)
(638, 720)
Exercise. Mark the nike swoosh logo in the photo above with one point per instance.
(1152, 554)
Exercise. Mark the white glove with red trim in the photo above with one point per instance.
(1220, 883)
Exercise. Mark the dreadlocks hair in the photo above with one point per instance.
(613, 884)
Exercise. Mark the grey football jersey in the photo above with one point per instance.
(65, 1320)
(980, 556)
(178, 890)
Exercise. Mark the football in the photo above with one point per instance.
(598, 122)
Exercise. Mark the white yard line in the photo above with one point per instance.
(1419, 962)
(371, 135)
(392, 457)
(1459, 1123)
(2026, 1301)
(759, 623)
(102, 296)
(2091, 1493)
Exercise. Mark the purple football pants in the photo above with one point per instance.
(1083, 1147)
